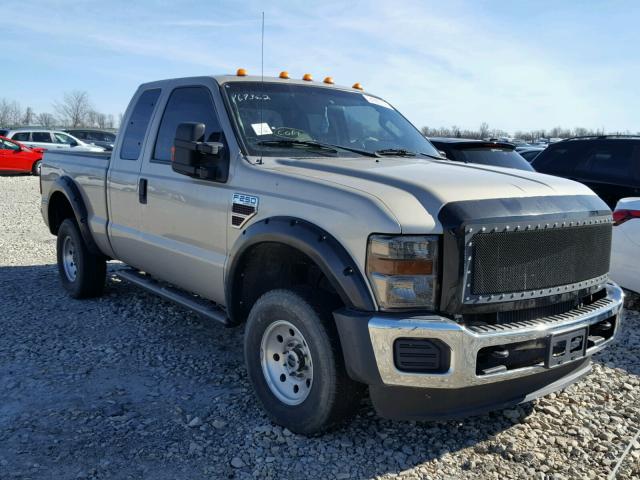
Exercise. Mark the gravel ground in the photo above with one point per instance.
(130, 386)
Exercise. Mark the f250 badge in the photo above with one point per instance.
(243, 208)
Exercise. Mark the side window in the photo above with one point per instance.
(63, 138)
(21, 136)
(186, 104)
(560, 160)
(41, 137)
(6, 145)
(137, 126)
(611, 161)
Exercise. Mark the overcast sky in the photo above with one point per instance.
(516, 65)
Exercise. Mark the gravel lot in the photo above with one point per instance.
(129, 386)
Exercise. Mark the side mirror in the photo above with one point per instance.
(195, 158)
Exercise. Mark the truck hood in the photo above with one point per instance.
(415, 190)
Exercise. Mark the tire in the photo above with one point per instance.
(82, 273)
(331, 396)
(35, 169)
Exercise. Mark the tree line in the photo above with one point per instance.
(73, 110)
(485, 132)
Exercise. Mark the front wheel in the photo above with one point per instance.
(81, 272)
(294, 361)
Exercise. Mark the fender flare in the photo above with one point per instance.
(70, 190)
(321, 247)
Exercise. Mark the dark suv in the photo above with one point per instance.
(101, 138)
(609, 165)
(498, 154)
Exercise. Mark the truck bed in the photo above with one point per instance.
(89, 172)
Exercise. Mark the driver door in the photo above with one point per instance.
(9, 156)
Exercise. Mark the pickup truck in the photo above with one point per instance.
(353, 253)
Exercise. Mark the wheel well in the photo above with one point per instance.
(271, 265)
(59, 210)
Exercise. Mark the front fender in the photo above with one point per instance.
(320, 246)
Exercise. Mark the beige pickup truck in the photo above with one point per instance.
(353, 253)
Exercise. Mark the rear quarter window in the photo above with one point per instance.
(138, 123)
(21, 136)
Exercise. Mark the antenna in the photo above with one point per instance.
(261, 82)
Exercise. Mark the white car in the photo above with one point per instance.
(625, 258)
(51, 140)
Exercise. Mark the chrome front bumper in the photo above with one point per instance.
(465, 342)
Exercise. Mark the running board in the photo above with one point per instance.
(198, 305)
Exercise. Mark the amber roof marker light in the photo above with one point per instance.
(284, 74)
(241, 72)
(357, 86)
(307, 77)
(328, 80)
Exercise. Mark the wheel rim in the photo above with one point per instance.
(286, 362)
(38, 167)
(69, 259)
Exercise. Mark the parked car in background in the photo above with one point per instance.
(498, 154)
(625, 261)
(101, 138)
(3, 132)
(529, 153)
(18, 158)
(609, 164)
(50, 140)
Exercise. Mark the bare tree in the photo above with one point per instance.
(29, 116)
(74, 108)
(484, 130)
(47, 120)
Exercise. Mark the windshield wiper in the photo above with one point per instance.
(396, 152)
(436, 157)
(314, 144)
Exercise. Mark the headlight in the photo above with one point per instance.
(403, 270)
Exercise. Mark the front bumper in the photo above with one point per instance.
(368, 348)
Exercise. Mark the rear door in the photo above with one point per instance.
(124, 171)
(184, 219)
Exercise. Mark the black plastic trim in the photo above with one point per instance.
(70, 190)
(359, 359)
(320, 246)
(454, 217)
(406, 403)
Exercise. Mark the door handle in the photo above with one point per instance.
(142, 190)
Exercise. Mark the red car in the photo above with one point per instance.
(18, 158)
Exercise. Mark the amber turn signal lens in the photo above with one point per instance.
(241, 72)
(307, 77)
(284, 74)
(328, 80)
(357, 86)
(386, 266)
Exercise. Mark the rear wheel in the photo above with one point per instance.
(35, 169)
(294, 361)
(81, 272)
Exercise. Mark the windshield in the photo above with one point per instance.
(498, 157)
(273, 117)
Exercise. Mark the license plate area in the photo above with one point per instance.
(566, 347)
